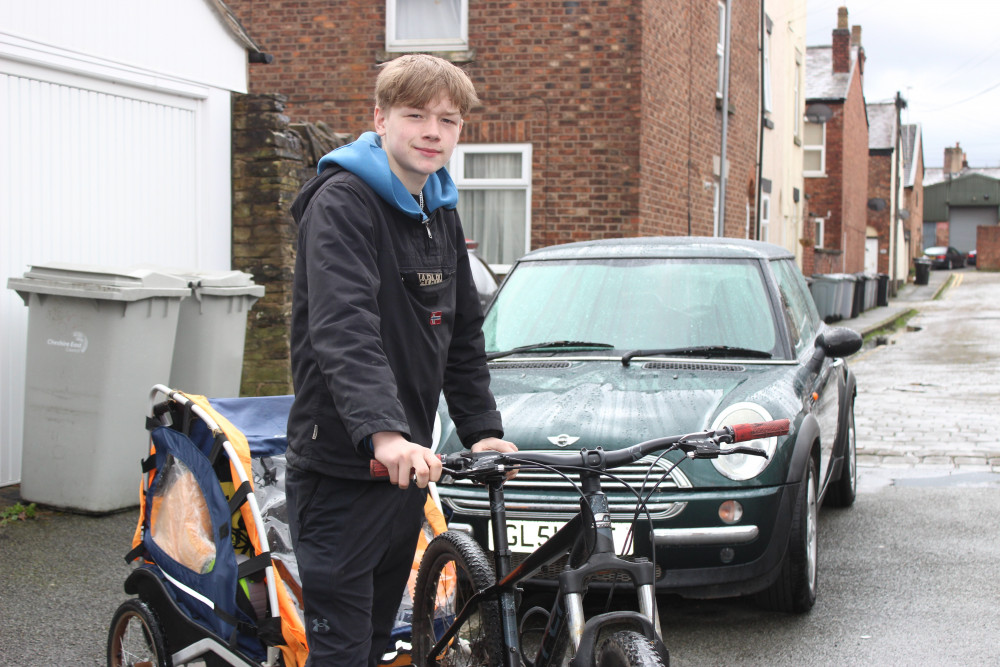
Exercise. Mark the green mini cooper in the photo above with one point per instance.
(610, 343)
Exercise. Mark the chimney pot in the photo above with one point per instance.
(855, 35)
(842, 18)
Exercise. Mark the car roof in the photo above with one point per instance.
(686, 247)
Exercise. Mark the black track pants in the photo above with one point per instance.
(354, 543)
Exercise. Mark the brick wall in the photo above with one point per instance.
(855, 173)
(913, 198)
(841, 196)
(617, 100)
(988, 248)
(880, 186)
(268, 169)
(682, 124)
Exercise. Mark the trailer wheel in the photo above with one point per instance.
(135, 638)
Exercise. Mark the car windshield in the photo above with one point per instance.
(633, 304)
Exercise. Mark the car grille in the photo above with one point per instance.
(542, 494)
(552, 570)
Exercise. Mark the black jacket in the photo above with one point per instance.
(385, 315)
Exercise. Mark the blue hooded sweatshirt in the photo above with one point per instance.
(366, 159)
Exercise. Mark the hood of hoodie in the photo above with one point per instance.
(366, 159)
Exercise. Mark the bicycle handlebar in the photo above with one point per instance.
(699, 445)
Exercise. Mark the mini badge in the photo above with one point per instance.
(435, 318)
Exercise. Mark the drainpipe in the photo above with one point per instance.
(721, 231)
(763, 120)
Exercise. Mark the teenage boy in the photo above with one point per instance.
(385, 316)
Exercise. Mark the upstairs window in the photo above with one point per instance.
(814, 149)
(426, 25)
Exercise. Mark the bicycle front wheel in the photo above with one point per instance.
(629, 649)
(452, 570)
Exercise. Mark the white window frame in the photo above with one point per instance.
(456, 167)
(818, 228)
(767, 70)
(821, 147)
(798, 111)
(720, 49)
(460, 43)
(765, 215)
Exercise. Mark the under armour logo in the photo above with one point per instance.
(320, 625)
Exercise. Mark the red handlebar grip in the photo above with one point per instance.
(378, 470)
(743, 432)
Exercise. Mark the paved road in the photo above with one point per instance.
(927, 397)
(910, 575)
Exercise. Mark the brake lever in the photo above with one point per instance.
(743, 449)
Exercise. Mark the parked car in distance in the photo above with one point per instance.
(610, 343)
(944, 257)
(971, 259)
(486, 281)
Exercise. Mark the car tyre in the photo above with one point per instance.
(843, 492)
(794, 591)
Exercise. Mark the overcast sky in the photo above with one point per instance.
(943, 57)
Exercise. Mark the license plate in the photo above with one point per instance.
(526, 536)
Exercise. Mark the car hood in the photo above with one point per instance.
(601, 403)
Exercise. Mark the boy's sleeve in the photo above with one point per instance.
(467, 377)
(344, 318)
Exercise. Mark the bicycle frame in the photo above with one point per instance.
(568, 606)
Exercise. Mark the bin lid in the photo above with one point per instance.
(98, 282)
(204, 281)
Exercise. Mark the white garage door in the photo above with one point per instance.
(91, 171)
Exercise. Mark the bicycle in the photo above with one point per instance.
(464, 609)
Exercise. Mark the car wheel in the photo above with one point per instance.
(794, 591)
(844, 490)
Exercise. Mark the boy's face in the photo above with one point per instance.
(418, 141)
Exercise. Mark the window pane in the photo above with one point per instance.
(492, 165)
(495, 219)
(428, 19)
(813, 134)
(812, 161)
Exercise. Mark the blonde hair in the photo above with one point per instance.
(416, 79)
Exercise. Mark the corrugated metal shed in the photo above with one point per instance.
(964, 190)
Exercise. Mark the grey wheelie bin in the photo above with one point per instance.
(211, 332)
(826, 292)
(98, 339)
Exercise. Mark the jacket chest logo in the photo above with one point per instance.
(429, 279)
(435, 318)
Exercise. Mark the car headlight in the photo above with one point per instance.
(744, 466)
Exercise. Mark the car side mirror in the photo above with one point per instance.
(839, 342)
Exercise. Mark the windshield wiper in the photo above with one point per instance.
(553, 345)
(698, 351)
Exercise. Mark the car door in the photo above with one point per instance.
(822, 394)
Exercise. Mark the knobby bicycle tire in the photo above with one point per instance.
(135, 637)
(453, 569)
(629, 649)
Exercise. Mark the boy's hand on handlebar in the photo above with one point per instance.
(496, 445)
(405, 459)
